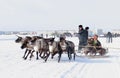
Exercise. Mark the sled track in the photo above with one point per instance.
(76, 71)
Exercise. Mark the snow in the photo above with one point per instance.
(12, 64)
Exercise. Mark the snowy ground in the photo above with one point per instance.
(13, 66)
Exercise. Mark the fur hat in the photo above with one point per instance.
(80, 26)
(86, 28)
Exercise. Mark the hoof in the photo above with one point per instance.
(25, 58)
(51, 57)
(37, 58)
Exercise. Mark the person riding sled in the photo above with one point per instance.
(97, 45)
(96, 42)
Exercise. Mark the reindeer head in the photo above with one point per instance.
(19, 39)
(34, 38)
(24, 45)
(50, 41)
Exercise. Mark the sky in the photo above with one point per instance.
(58, 14)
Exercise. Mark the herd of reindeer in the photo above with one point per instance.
(44, 47)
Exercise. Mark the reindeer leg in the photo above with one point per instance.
(74, 55)
(48, 53)
(59, 57)
(54, 53)
(31, 54)
(25, 53)
(37, 55)
(69, 55)
(42, 56)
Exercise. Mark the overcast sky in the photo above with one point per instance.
(59, 14)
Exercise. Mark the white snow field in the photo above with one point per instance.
(12, 64)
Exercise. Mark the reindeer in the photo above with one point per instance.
(23, 41)
(68, 46)
(40, 46)
(60, 47)
(53, 47)
(28, 44)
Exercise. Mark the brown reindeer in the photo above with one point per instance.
(40, 46)
(68, 46)
(23, 41)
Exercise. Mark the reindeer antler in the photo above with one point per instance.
(17, 36)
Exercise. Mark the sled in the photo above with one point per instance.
(92, 52)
